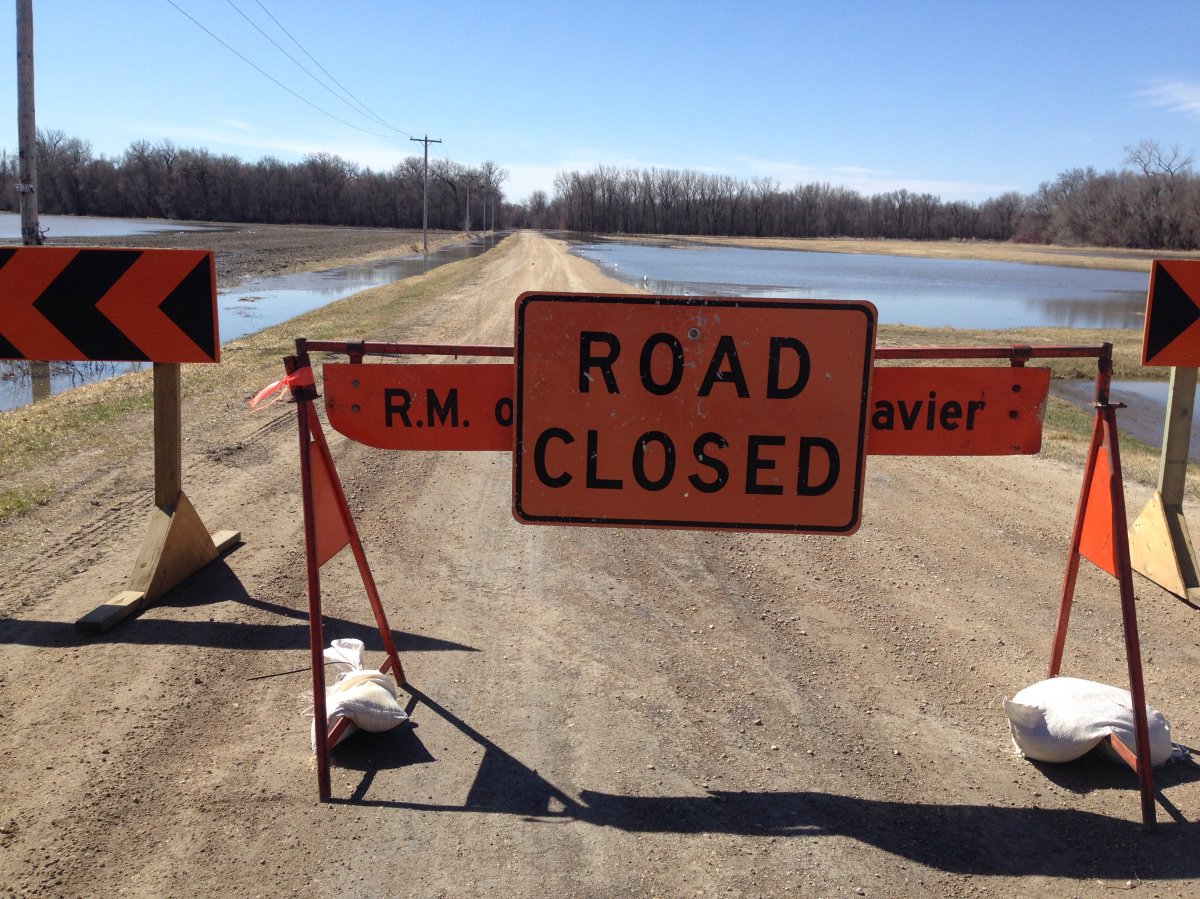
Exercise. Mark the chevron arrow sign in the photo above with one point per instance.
(112, 305)
(1172, 331)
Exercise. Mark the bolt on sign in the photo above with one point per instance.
(78, 305)
(680, 412)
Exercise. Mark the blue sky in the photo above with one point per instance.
(962, 99)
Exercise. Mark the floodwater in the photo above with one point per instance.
(88, 226)
(923, 292)
(262, 302)
(253, 305)
(957, 293)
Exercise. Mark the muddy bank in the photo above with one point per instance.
(992, 251)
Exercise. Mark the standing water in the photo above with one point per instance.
(955, 293)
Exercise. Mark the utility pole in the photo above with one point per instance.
(426, 140)
(470, 179)
(31, 235)
(26, 127)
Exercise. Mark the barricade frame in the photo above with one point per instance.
(1102, 488)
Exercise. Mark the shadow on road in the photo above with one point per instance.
(961, 839)
(215, 583)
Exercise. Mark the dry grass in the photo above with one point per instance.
(1126, 347)
(991, 251)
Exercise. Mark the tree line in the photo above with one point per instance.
(1153, 202)
(166, 181)
(671, 201)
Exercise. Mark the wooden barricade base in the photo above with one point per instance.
(176, 545)
(1160, 548)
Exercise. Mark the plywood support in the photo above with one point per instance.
(1160, 547)
(177, 544)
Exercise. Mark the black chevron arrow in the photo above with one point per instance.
(189, 306)
(1172, 312)
(7, 350)
(69, 303)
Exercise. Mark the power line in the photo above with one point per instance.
(363, 106)
(363, 110)
(276, 80)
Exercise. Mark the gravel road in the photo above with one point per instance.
(598, 712)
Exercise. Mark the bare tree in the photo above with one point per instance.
(1153, 159)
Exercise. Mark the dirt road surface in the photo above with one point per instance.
(602, 712)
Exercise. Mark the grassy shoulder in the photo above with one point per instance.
(1126, 347)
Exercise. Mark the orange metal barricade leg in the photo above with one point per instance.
(322, 496)
(1102, 537)
(316, 640)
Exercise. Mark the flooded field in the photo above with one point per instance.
(956, 293)
(56, 226)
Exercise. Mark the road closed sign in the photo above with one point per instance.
(681, 412)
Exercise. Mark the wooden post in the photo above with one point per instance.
(168, 434)
(31, 235)
(31, 232)
(177, 543)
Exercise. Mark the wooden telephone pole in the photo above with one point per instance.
(426, 140)
(26, 127)
(31, 234)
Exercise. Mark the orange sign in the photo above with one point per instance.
(957, 411)
(77, 305)
(421, 407)
(1172, 331)
(723, 413)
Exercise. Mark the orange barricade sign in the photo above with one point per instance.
(1172, 332)
(722, 413)
(78, 305)
(957, 411)
(421, 407)
(1097, 543)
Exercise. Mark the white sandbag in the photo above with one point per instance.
(345, 655)
(1063, 718)
(367, 697)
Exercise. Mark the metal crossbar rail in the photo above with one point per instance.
(1018, 354)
